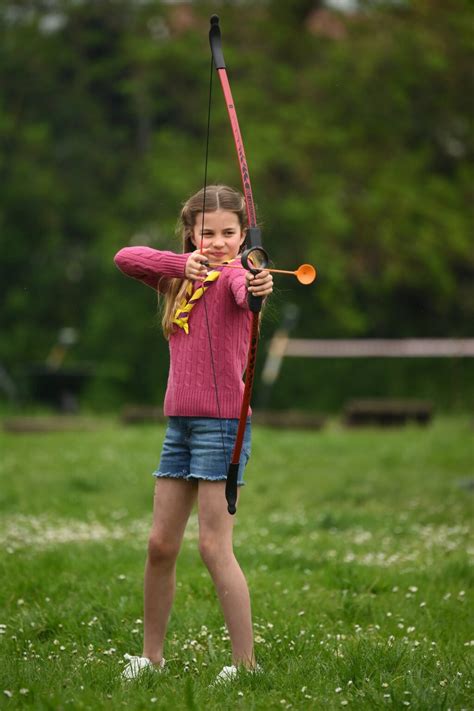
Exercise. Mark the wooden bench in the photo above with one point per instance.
(141, 414)
(387, 412)
(288, 419)
(52, 423)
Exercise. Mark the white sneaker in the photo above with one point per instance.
(226, 674)
(137, 665)
(230, 673)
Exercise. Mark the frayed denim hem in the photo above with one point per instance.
(191, 477)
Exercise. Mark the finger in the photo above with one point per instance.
(262, 282)
(200, 256)
(199, 264)
(260, 290)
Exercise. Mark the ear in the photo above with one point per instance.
(192, 239)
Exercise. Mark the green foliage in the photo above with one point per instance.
(357, 134)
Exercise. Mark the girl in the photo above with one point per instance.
(202, 401)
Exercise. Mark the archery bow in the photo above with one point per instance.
(254, 258)
(253, 243)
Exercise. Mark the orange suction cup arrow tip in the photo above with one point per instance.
(305, 274)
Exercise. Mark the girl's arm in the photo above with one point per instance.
(151, 266)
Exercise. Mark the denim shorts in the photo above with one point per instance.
(201, 448)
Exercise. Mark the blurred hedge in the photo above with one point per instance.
(357, 130)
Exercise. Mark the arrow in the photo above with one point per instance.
(305, 273)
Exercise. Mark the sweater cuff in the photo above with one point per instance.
(140, 262)
(172, 265)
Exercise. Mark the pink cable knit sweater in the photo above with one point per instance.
(191, 391)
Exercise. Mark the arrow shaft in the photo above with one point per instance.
(238, 266)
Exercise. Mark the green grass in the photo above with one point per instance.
(356, 546)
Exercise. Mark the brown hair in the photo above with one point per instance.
(216, 197)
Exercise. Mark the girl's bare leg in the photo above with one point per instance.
(173, 503)
(215, 545)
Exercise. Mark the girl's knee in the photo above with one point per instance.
(213, 551)
(161, 550)
(205, 548)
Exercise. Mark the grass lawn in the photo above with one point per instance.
(356, 544)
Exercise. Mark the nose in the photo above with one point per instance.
(218, 239)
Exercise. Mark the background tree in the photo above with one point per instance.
(357, 128)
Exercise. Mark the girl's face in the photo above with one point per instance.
(222, 235)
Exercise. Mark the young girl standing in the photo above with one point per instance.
(202, 421)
